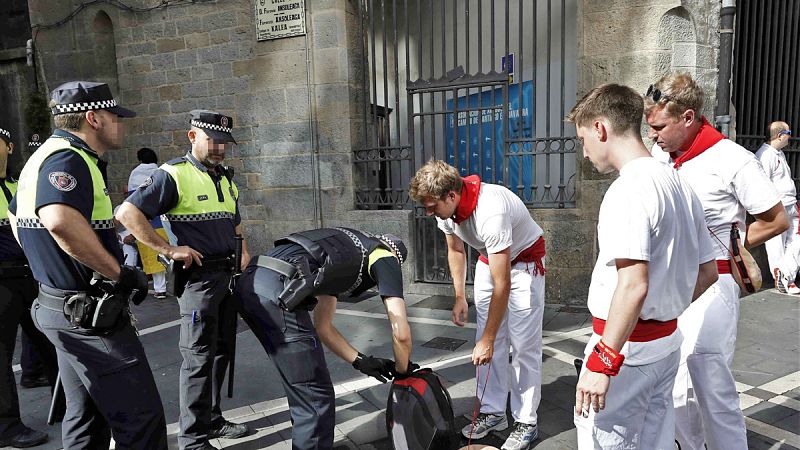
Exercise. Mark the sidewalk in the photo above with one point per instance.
(767, 367)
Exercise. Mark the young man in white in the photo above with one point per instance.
(783, 251)
(655, 256)
(729, 182)
(509, 291)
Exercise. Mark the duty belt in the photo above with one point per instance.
(15, 269)
(277, 265)
(52, 298)
(225, 263)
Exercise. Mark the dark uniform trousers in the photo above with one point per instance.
(291, 341)
(16, 296)
(108, 384)
(208, 314)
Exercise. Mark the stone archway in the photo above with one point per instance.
(676, 36)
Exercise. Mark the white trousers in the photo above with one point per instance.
(521, 330)
(783, 250)
(638, 413)
(706, 402)
(160, 281)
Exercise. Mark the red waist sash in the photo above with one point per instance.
(532, 254)
(645, 330)
(723, 266)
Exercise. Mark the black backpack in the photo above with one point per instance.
(419, 414)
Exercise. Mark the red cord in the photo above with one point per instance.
(476, 406)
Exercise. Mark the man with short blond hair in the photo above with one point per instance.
(783, 251)
(730, 183)
(654, 257)
(509, 291)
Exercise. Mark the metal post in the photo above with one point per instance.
(727, 16)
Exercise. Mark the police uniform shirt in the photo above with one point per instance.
(384, 268)
(64, 178)
(159, 194)
(9, 248)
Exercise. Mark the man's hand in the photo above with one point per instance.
(411, 368)
(132, 281)
(186, 254)
(129, 239)
(245, 259)
(483, 351)
(591, 393)
(378, 368)
(460, 311)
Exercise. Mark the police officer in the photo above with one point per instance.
(199, 198)
(308, 270)
(17, 291)
(64, 223)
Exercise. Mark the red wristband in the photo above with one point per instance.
(604, 360)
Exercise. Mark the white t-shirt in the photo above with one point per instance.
(500, 221)
(139, 174)
(650, 214)
(777, 169)
(730, 182)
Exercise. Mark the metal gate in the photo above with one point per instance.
(481, 84)
(766, 73)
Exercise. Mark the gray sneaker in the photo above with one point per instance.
(522, 437)
(485, 423)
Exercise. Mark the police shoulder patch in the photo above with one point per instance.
(146, 182)
(62, 181)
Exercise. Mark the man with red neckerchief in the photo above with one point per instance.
(730, 182)
(654, 257)
(509, 291)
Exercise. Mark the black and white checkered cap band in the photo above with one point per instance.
(87, 106)
(211, 126)
(200, 217)
(5, 133)
(385, 239)
(4, 222)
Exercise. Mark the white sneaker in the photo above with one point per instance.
(485, 423)
(522, 437)
(785, 284)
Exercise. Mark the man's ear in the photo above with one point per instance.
(10, 148)
(192, 136)
(600, 130)
(91, 119)
(689, 116)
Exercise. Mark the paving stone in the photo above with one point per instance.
(768, 412)
(791, 423)
(760, 393)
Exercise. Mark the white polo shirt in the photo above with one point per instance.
(500, 221)
(777, 169)
(729, 182)
(649, 214)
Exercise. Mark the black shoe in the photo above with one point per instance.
(25, 438)
(29, 382)
(229, 430)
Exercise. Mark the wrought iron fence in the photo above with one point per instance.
(482, 84)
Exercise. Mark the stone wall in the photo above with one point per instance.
(297, 103)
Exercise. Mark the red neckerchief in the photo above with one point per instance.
(705, 139)
(470, 188)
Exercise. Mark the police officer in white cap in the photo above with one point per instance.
(199, 198)
(63, 219)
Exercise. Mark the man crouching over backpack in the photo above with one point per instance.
(307, 271)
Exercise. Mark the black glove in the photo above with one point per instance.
(133, 282)
(378, 368)
(412, 367)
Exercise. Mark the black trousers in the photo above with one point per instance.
(16, 296)
(291, 341)
(108, 385)
(208, 315)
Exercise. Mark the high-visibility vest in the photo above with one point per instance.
(198, 199)
(11, 185)
(102, 213)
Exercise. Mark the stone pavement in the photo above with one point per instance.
(766, 367)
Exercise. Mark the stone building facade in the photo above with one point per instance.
(297, 102)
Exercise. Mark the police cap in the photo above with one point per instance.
(396, 244)
(217, 126)
(34, 141)
(5, 134)
(80, 96)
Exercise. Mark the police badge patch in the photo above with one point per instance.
(62, 181)
(146, 183)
